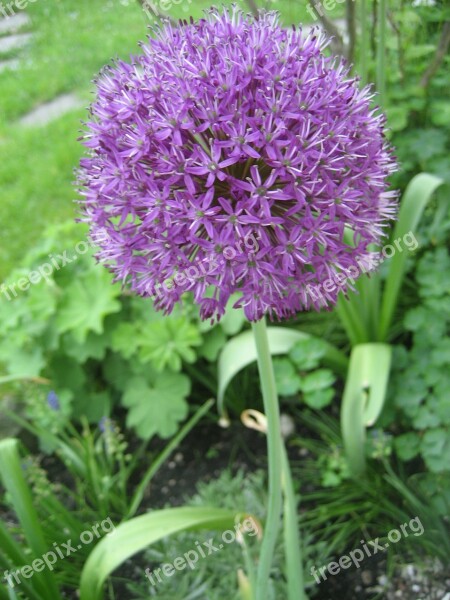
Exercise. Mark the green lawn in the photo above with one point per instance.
(72, 40)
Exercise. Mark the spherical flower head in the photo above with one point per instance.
(234, 156)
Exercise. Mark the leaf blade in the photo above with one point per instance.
(363, 398)
(240, 351)
(416, 197)
(138, 533)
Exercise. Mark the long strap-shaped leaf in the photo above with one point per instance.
(364, 317)
(14, 482)
(241, 351)
(416, 196)
(363, 400)
(139, 533)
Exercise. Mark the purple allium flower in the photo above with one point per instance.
(53, 400)
(227, 128)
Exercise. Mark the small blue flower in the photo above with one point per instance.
(104, 424)
(53, 400)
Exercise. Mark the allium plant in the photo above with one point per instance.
(227, 128)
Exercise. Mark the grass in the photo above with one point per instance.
(72, 40)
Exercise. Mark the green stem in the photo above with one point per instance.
(294, 562)
(274, 445)
(364, 56)
(381, 52)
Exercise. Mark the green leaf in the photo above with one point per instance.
(87, 301)
(11, 313)
(68, 373)
(410, 396)
(157, 409)
(317, 388)
(94, 347)
(41, 306)
(319, 399)
(11, 474)
(167, 343)
(407, 445)
(397, 117)
(125, 339)
(286, 377)
(440, 113)
(428, 143)
(213, 342)
(331, 479)
(433, 441)
(435, 449)
(416, 318)
(432, 274)
(363, 399)
(93, 406)
(139, 533)
(307, 353)
(443, 406)
(241, 351)
(414, 201)
(22, 362)
(318, 380)
(419, 51)
(234, 318)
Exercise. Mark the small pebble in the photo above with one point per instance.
(287, 425)
(366, 577)
(409, 571)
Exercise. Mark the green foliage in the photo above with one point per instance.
(287, 378)
(368, 316)
(103, 473)
(167, 342)
(16, 485)
(241, 351)
(97, 347)
(421, 378)
(299, 373)
(97, 459)
(86, 302)
(157, 408)
(417, 111)
(341, 509)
